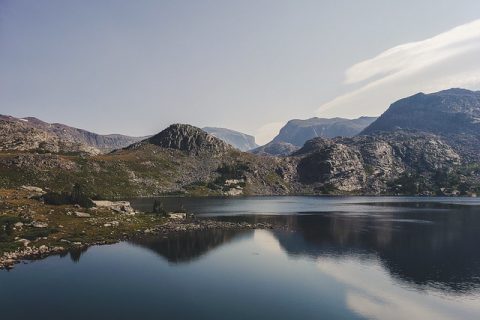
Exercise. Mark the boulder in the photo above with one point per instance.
(82, 214)
(177, 215)
(117, 206)
(39, 224)
(33, 189)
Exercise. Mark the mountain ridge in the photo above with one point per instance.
(296, 132)
(453, 114)
(57, 137)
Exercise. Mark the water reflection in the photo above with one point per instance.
(427, 249)
(433, 249)
(412, 261)
(189, 246)
(75, 254)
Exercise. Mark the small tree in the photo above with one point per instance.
(158, 208)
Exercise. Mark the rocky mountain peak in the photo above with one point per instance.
(452, 114)
(190, 139)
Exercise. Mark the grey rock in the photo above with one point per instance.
(79, 214)
(32, 134)
(39, 224)
(452, 114)
(187, 138)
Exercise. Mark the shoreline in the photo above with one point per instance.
(10, 259)
(101, 226)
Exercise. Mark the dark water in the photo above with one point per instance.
(333, 258)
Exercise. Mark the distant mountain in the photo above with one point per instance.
(424, 144)
(296, 132)
(241, 141)
(279, 148)
(36, 135)
(453, 114)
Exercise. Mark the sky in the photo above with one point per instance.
(134, 67)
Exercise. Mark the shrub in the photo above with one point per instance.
(158, 208)
(77, 196)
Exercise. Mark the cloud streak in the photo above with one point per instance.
(449, 59)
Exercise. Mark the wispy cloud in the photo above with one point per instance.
(449, 59)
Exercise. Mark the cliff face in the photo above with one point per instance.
(373, 164)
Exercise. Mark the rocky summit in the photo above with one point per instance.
(188, 138)
(453, 114)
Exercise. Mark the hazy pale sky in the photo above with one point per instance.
(134, 67)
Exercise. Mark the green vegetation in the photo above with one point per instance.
(34, 233)
(409, 183)
(232, 171)
(76, 196)
(57, 225)
(158, 208)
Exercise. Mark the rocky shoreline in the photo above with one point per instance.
(10, 259)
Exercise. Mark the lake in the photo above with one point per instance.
(327, 258)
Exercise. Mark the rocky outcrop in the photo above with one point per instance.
(32, 134)
(368, 164)
(452, 114)
(189, 139)
(334, 166)
(241, 141)
(20, 136)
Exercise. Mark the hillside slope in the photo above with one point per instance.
(36, 135)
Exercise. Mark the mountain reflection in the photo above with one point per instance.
(188, 246)
(435, 248)
(428, 249)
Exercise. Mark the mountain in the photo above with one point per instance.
(182, 160)
(296, 132)
(36, 135)
(279, 148)
(453, 114)
(395, 162)
(188, 138)
(241, 141)
(399, 156)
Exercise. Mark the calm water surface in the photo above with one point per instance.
(333, 258)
